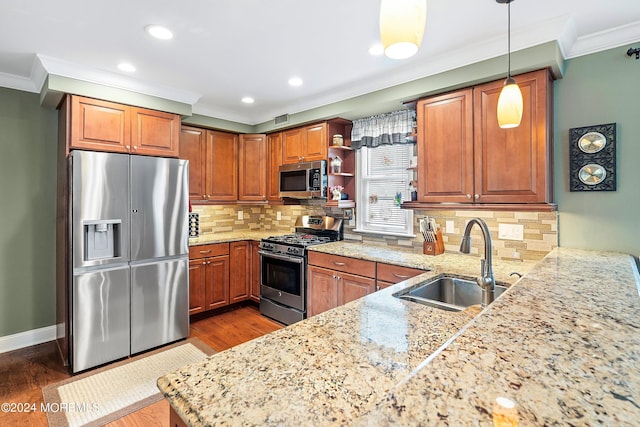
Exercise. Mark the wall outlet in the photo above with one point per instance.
(449, 227)
(240, 215)
(278, 216)
(511, 231)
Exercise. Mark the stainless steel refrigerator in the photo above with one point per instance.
(128, 224)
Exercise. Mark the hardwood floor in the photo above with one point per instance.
(24, 372)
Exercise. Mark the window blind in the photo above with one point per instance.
(383, 184)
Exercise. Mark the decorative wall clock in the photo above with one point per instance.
(592, 158)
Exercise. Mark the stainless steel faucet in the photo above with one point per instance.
(486, 280)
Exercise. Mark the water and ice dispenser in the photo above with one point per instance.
(102, 239)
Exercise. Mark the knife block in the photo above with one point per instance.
(434, 248)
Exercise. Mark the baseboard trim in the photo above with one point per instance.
(27, 338)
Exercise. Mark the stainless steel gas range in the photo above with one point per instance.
(283, 267)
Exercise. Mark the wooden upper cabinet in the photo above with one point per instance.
(514, 165)
(154, 133)
(315, 143)
(108, 126)
(445, 147)
(222, 158)
(305, 144)
(99, 125)
(465, 157)
(292, 146)
(253, 169)
(193, 147)
(274, 156)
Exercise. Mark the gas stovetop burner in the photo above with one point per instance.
(299, 239)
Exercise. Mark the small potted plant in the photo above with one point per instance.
(336, 191)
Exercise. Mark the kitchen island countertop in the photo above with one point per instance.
(563, 343)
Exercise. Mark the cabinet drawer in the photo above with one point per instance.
(340, 263)
(395, 273)
(205, 251)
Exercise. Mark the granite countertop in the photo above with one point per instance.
(232, 236)
(562, 342)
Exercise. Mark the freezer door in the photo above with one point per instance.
(159, 303)
(159, 207)
(99, 208)
(100, 325)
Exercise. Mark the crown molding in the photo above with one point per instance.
(80, 72)
(12, 81)
(603, 40)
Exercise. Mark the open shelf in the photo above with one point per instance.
(341, 203)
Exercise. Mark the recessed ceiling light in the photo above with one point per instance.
(125, 66)
(295, 81)
(159, 32)
(248, 100)
(376, 50)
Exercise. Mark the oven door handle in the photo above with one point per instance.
(297, 260)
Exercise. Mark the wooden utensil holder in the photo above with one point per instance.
(434, 248)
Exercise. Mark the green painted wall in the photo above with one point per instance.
(28, 136)
(596, 89)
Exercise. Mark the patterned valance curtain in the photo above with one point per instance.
(383, 129)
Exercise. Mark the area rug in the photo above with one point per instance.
(103, 395)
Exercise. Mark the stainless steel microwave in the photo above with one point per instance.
(304, 180)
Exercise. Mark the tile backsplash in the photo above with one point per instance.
(540, 229)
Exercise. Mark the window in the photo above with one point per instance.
(383, 182)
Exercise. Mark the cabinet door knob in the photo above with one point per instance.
(468, 196)
(204, 262)
(135, 147)
(477, 196)
(128, 147)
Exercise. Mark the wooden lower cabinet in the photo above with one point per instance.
(254, 287)
(351, 287)
(322, 287)
(335, 280)
(240, 271)
(332, 282)
(208, 277)
(223, 273)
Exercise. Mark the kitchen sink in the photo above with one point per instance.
(447, 293)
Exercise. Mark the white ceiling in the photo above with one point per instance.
(224, 50)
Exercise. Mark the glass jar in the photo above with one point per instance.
(338, 140)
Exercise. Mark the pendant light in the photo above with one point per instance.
(510, 99)
(402, 25)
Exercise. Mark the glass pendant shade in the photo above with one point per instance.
(510, 105)
(402, 24)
